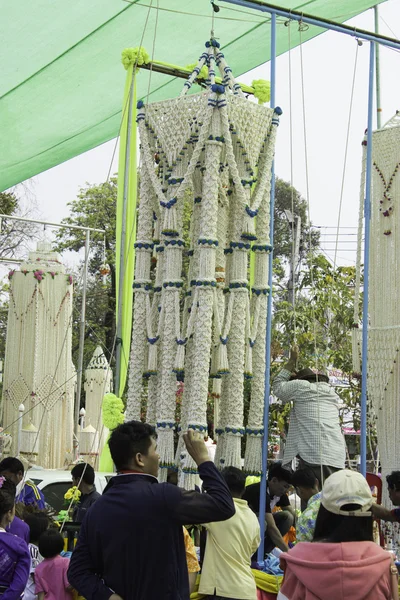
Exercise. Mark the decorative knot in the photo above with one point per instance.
(218, 88)
(252, 213)
(134, 56)
(262, 90)
(170, 203)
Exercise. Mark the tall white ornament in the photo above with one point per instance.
(38, 369)
(98, 382)
(194, 320)
(384, 305)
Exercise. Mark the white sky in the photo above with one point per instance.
(328, 65)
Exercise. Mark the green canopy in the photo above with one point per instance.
(62, 79)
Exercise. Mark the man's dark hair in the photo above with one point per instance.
(129, 439)
(51, 543)
(11, 465)
(38, 524)
(304, 478)
(333, 528)
(393, 480)
(276, 470)
(235, 479)
(7, 496)
(84, 471)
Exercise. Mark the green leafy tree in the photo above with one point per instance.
(321, 323)
(94, 207)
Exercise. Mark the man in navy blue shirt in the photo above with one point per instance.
(131, 544)
(83, 477)
(13, 469)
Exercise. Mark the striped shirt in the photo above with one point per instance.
(314, 428)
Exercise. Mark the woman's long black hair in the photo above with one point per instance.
(333, 528)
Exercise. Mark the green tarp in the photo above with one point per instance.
(62, 80)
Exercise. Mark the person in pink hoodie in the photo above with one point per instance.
(342, 562)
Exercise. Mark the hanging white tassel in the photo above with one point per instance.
(216, 390)
(249, 228)
(221, 359)
(179, 365)
(248, 362)
(170, 227)
(152, 358)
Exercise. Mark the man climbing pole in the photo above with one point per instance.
(315, 435)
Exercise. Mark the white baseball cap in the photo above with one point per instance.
(347, 487)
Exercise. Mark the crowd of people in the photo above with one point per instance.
(134, 542)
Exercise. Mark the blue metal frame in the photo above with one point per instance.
(263, 486)
(318, 22)
(367, 218)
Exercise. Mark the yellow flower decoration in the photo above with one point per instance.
(73, 494)
(134, 56)
(113, 411)
(262, 90)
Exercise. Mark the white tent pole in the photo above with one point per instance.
(81, 345)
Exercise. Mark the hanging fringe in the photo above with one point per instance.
(221, 359)
(253, 456)
(232, 451)
(179, 366)
(216, 390)
(249, 228)
(170, 227)
(152, 357)
(165, 448)
(189, 475)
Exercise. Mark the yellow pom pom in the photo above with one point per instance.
(203, 71)
(134, 56)
(262, 90)
(113, 411)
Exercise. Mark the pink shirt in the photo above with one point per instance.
(51, 578)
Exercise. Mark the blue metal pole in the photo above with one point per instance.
(318, 22)
(263, 486)
(367, 218)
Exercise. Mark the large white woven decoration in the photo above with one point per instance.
(38, 369)
(98, 383)
(384, 306)
(214, 151)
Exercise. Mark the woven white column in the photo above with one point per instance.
(384, 306)
(38, 365)
(206, 284)
(98, 382)
(142, 287)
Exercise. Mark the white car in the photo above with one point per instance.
(55, 482)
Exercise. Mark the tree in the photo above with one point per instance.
(94, 207)
(15, 236)
(321, 322)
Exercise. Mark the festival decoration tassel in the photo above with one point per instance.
(179, 365)
(152, 359)
(170, 228)
(249, 229)
(221, 359)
